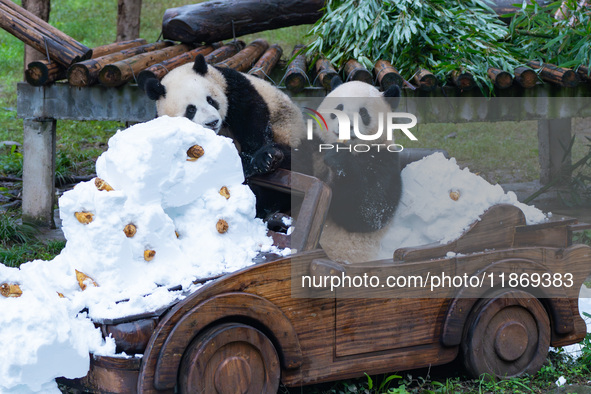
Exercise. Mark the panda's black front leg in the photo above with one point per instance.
(265, 160)
(339, 161)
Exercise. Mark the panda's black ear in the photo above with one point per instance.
(394, 93)
(154, 89)
(200, 66)
(335, 82)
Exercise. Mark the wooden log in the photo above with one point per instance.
(86, 73)
(118, 73)
(425, 80)
(225, 52)
(387, 75)
(501, 79)
(43, 72)
(557, 75)
(525, 77)
(295, 77)
(159, 70)
(267, 62)
(463, 80)
(583, 72)
(244, 59)
(223, 19)
(40, 35)
(354, 71)
(35, 39)
(325, 72)
(104, 50)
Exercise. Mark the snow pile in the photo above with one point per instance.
(439, 202)
(172, 216)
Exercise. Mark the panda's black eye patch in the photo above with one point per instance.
(190, 111)
(364, 116)
(338, 108)
(213, 103)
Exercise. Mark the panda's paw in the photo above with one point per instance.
(266, 160)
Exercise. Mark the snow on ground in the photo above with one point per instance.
(169, 219)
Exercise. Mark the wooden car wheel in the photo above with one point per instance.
(230, 358)
(506, 335)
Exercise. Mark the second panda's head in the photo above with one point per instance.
(195, 91)
(357, 100)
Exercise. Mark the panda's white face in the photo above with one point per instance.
(200, 98)
(363, 104)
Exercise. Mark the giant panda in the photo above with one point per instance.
(366, 186)
(263, 122)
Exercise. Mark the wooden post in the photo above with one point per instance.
(354, 71)
(525, 77)
(325, 72)
(244, 59)
(224, 52)
(217, 20)
(267, 62)
(553, 135)
(295, 77)
(86, 73)
(463, 80)
(557, 75)
(387, 75)
(39, 171)
(159, 70)
(425, 80)
(118, 73)
(501, 79)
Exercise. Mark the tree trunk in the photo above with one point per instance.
(41, 9)
(128, 19)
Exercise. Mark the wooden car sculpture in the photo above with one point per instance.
(247, 331)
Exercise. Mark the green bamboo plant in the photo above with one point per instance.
(447, 35)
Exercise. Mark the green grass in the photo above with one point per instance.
(18, 243)
(445, 380)
(500, 152)
(21, 253)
